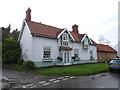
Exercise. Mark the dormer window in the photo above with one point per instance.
(65, 39)
(85, 44)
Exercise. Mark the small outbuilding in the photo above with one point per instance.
(105, 53)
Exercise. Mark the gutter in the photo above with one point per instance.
(44, 36)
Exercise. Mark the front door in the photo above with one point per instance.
(66, 58)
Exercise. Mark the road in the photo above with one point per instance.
(27, 80)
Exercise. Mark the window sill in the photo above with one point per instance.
(47, 60)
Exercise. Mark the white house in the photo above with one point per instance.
(43, 44)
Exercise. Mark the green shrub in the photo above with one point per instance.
(10, 51)
(29, 65)
(20, 61)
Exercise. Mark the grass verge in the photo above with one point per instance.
(78, 70)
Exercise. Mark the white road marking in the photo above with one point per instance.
(6, 78)
(24, 86)
(28, 85)
(46, 84)
(56, 81)
(66, 76)
(60, 77)
(101, 87)
(52, 79)
(33, 86)
(65, 79)
(42, 82)
(72, 77)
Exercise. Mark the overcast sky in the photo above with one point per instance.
(94, 17)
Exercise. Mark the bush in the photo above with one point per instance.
(29, 65)
(20, 61)
(10, 51)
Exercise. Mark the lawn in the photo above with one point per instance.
(78, 70)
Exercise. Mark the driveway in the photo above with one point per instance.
(27, 80)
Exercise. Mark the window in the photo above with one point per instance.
(85, 44)
(65, 39)
(46, 53)
(65, 36)
(86, 41)
(91, 53)
(76, 52)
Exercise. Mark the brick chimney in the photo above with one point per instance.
(75, 28)
(28, 15)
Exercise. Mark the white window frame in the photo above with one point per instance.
(65, 39)
(85, 44)
(47, 50)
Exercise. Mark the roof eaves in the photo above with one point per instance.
(44, 36)
(106, 51)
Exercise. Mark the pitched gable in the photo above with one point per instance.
(65, 30)
(77, 37)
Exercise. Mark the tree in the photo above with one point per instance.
(10, 51)
(6, 32)
(15, 34)
(0, 35)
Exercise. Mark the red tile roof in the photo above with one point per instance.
(42, 29)
(47, 30)
(105, 48)
(93, 42)
(77, 37)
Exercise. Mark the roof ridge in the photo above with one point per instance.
(45, 24)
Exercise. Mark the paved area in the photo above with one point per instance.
(27, 80)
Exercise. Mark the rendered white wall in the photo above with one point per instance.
(94, 48)
(84, 55)
(26, 44)
(38, 45)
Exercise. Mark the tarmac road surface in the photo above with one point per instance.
(27, 80)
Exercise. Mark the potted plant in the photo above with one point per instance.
(74, 57)
(59, 58)
(91, 58)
